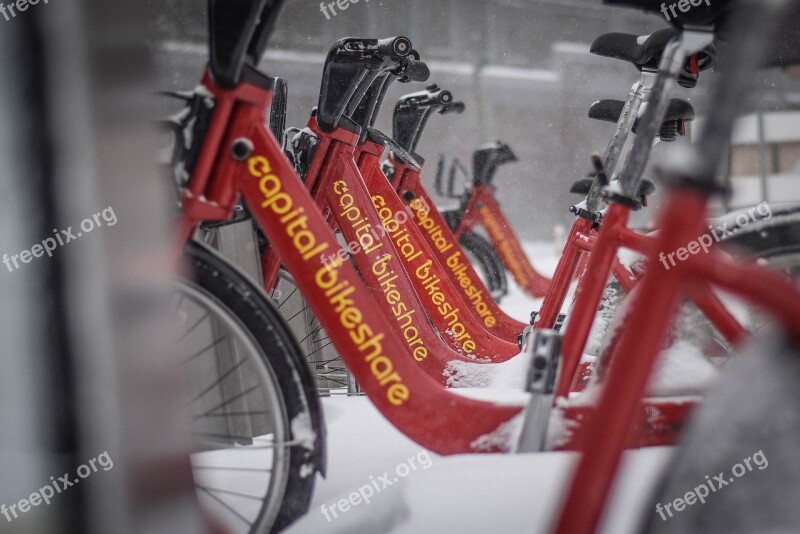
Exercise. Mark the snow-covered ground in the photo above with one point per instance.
(421, 492)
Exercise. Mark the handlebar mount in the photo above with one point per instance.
(412, 112)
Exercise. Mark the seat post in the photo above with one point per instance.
(627, 119)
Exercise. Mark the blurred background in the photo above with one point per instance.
(523, 69)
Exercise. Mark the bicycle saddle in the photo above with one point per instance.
(645, 51)
(679, 111)
(487, 158)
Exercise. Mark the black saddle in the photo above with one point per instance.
(645, 51)
(679, 112)
(716, 13)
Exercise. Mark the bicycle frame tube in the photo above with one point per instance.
(370, 346)
(431, 280)
(449, 253)
(622, 131)
(602, 253)
(634, 356)
(342, 190)
(483, 209)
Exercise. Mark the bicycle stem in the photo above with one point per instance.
(411, 114)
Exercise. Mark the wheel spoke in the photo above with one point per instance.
(226, 505)
(201, 351)
(222, 377)
(195, 325)
(232, 399)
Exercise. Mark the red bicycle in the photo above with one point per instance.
(479, 209)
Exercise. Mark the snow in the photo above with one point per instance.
(302, 432)
(682, 369)
(504, 493)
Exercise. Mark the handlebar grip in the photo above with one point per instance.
(416, 71)
(395, 47)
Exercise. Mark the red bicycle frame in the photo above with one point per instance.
(683, 221)
(419, 257)
(482, 209)
(447, 250)
(634, 355)
(370, 345)
(602, 251)
(340, 187)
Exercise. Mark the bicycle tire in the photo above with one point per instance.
(483, 256)
(778, 237)
(303, 428)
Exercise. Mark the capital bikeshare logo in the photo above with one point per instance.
(455, 262)
(336, 290)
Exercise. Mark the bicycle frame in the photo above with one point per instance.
(602, 249)
(418, 255)
(635, 355)
(340, 187)
(447, 250)
(371, 347)
(337, 188)
(483, 209)
(684, 214)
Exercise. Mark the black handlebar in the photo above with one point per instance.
(486, 160)
(364, 112)
(412, 112)
(415, 71)
(351, 69)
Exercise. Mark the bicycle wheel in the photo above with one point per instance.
(483, 256)
(775, 242)
(330, 373)
(256, 419)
